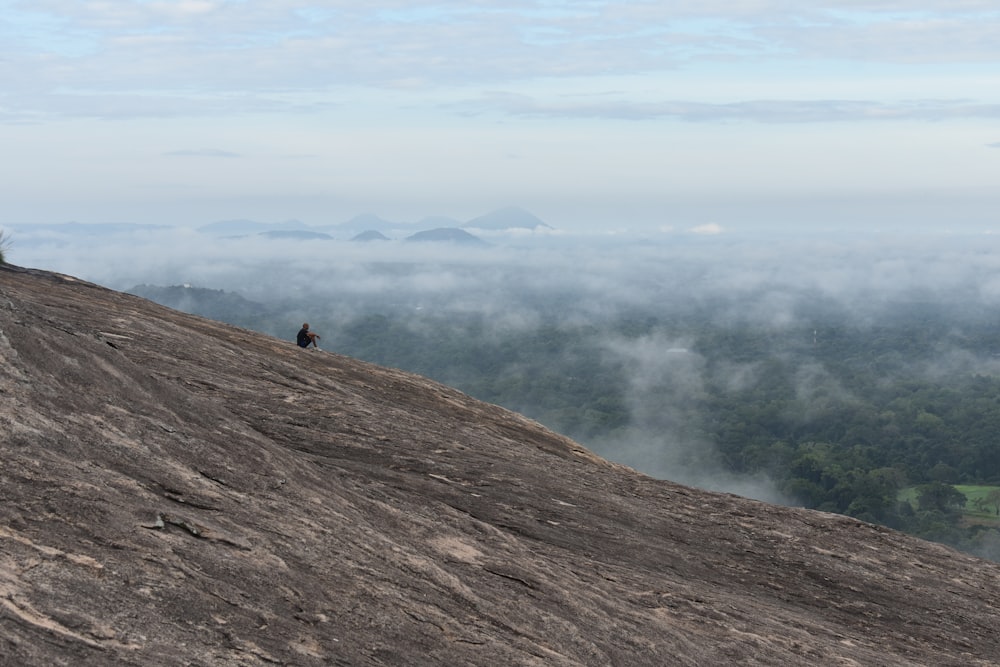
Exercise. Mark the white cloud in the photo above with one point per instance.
(708, 229)
(301, 45)
(199, 45)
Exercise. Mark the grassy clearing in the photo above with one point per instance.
(979, 507)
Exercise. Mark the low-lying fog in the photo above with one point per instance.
(519, 280)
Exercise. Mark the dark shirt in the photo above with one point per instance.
(303, 338)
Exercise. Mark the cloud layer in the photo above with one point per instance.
(139, 58)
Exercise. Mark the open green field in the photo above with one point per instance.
(980, 507)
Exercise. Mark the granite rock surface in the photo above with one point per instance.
(175, 491)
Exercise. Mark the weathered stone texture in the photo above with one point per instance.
(175, 491)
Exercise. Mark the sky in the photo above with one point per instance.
(662, 115)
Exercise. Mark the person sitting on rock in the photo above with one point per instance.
(306, 337)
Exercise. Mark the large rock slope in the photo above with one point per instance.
(180, 492)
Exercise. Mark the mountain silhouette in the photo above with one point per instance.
(510, 217)
(178, 491)
(446, 235)
(362, 223)
(370, 235)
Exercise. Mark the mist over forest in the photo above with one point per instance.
(826, 370)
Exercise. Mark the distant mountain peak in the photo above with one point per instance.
(361, 223)
(510, 217)
(447, 235)
(370, 235)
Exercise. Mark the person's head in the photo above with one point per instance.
(305, 325)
